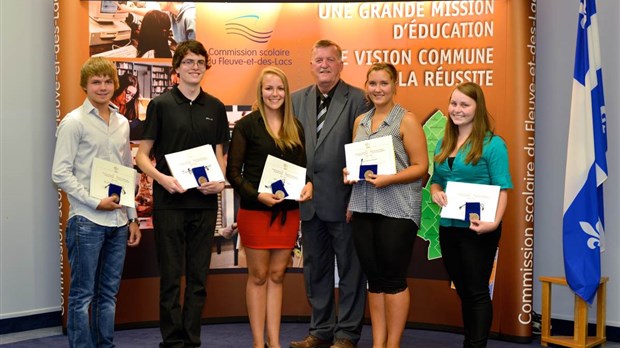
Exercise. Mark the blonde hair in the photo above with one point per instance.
(289, 132)
(480, 128)
(98, 66)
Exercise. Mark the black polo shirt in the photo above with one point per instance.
(176, 123)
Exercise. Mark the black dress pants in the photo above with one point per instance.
(183, 240)
(468, 258)
(323, 243)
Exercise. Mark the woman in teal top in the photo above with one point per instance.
(470, 152)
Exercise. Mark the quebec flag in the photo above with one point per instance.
(586, 164)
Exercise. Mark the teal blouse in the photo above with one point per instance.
(491, 169)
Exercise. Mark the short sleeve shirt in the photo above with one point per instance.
(176, 123)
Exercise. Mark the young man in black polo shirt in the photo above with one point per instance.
(184, 221)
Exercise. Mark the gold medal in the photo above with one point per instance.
(367, 174)
(474, 216)
(279, 194)
(116, 197)
(202, 180)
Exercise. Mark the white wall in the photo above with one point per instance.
(29, 272)
(556, 33)
(29, 247)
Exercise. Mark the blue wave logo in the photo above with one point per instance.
(235, 26)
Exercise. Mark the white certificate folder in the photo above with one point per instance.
(376, 155)
(106, 174)
(291, 176)
(183, 163)
(461, 193)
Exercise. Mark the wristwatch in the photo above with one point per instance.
(134, 220)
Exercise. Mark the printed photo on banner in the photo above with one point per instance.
(139, 82)
(139, 29)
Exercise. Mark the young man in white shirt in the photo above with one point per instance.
(98, 230)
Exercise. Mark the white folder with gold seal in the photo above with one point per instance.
(183, 162)
(105, 175)
(460, 193)
(290, 177)
(373, 155)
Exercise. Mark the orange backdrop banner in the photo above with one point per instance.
(434, 45)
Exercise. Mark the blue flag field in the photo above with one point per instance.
(586, 163)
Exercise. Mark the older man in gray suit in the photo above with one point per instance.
(327, 111)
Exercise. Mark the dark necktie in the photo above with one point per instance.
(320, 117)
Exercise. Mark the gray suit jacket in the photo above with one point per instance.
(325, 155)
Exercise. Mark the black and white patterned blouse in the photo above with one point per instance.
(398, 200)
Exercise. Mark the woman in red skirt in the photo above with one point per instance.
(268, 223)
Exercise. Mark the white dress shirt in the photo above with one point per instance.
(81, 136)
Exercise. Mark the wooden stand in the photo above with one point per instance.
(580, 336)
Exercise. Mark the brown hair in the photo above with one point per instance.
(189, 46)
(154, 32)
(481, 126)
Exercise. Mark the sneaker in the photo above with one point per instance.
(310, 342)
(343, 343)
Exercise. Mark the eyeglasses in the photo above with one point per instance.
(189, 63)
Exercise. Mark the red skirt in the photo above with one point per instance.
(256, 233)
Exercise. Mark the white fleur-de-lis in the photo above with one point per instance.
(583, 11)
(595, 240)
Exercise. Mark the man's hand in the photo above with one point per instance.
(170, 184)
(109, 204)
(134, 235)
(306, 192)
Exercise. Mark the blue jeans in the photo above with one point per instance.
(96, 256)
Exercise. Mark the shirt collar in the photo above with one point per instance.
(90, 109)
(388, 120)
(331, 92)
(182, 99)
